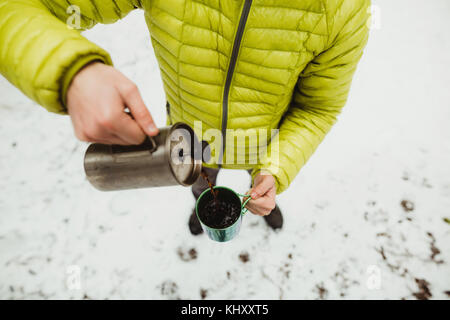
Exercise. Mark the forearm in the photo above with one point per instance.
(40, 53)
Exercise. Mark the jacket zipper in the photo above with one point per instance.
(168, 112)
(231, 68)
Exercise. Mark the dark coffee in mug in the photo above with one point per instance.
(218, 213)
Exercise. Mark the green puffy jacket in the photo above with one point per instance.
(232, 64)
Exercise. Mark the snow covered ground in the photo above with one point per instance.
(364, 219)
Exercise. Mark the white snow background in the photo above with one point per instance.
(346, 233)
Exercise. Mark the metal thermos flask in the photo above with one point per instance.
(173, 157)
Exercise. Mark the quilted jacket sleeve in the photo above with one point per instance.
(40, 53)
(320, 94)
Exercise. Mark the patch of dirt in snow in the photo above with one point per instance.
(434, 250)
(188, 255)
(203, 293)
(322, 291)
(424, 292)
(407, 205)
(342, 280)
(169, 289)
(244, 257)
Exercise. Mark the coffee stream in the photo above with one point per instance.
(211, 186)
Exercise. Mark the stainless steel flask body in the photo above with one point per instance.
(173, 157)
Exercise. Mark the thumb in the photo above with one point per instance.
(139, 111)
(261, 188)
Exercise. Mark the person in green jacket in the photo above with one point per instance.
(238, 66)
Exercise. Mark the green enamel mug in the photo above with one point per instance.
(228, 195)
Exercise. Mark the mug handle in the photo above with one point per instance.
(243, 208)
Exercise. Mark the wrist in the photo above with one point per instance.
(262, 171)
(73, 71)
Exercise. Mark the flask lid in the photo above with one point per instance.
(184, 153)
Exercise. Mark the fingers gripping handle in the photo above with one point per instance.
(244, 209)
